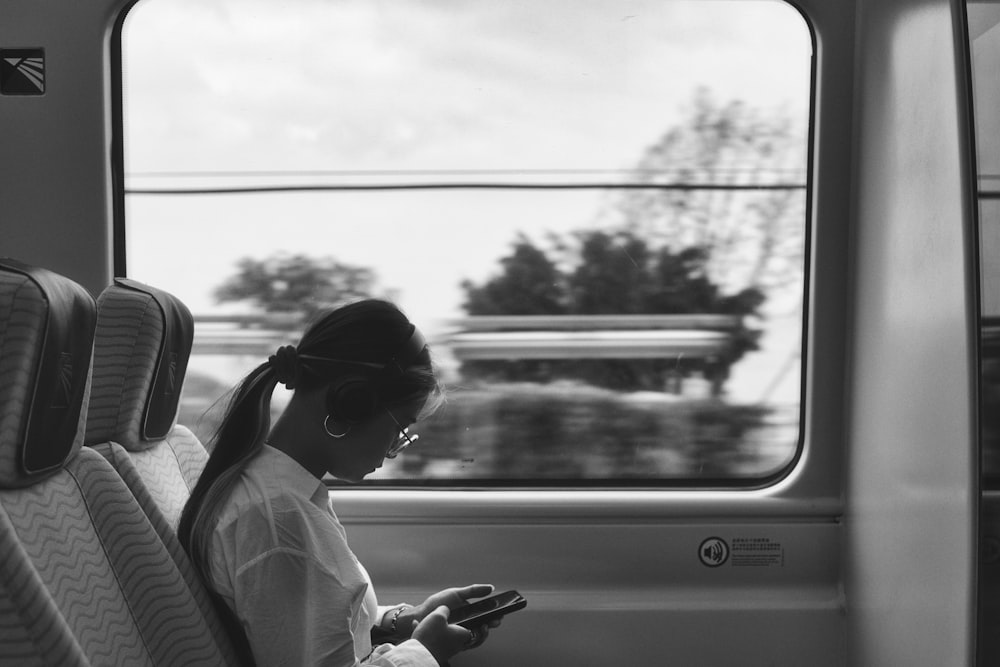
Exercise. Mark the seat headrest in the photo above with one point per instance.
(141, 352)
(46, 338)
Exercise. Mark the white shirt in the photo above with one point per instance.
(280, 560)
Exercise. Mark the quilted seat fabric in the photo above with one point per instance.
(143, 343)
(22, 318)
(86, 578)
(43, 371)
(100, 560)
(123, 463)
(141, 349)
(32, 629)
(168, 471)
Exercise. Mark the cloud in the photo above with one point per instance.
(429, 84)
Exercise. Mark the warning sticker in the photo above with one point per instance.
(756, 552)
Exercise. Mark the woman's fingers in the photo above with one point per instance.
(439, 637)
(476, 637)
(455, 597)
(475, 591)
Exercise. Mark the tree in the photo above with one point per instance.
(721, 229)
(710, 163)
(295, 283)
(529, 285)
(614, 273)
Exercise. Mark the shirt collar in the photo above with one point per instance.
(286, 471)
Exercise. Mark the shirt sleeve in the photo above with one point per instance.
(410, 653)
(297, 612)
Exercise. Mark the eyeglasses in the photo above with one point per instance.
(403, 440)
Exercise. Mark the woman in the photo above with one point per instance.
(259, 526)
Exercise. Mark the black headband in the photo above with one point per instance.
(402, 358)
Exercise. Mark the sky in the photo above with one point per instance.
(229, 92)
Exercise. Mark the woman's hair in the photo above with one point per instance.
(358, 339)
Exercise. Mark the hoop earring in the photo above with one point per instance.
(334, 435)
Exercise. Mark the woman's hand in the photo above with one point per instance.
(443, 640)
(451, 598)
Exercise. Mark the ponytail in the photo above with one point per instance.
(238, 439)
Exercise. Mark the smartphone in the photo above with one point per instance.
(481, 612)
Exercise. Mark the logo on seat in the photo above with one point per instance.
(22, 71)
(171, 375)
(62, 395)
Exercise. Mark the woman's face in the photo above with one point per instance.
(364, 448)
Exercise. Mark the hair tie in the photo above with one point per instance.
(285, 363)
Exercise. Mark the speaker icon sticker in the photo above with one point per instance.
(713, 552)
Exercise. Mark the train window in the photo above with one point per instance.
(596, 211)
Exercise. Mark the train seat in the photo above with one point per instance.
(86, 579)
(141, 351)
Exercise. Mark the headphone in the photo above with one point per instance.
(354, 397)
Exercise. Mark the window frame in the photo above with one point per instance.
(765, 488)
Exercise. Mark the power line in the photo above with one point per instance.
(270, 189)
(487, 180)
(441, 172)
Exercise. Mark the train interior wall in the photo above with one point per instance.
(911, 490)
